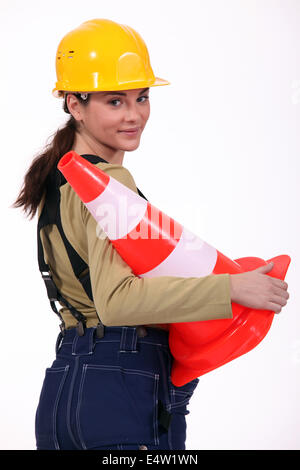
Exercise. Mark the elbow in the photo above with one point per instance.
(105, 320)
(107, 323)
(108, 318)
(114, 309)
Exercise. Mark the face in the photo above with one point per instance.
(108, 115)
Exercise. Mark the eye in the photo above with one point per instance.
(144, 96)
(117, 99)
(113, 101)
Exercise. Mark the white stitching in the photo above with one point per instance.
(155, 417)
(129, 371)
(58, 394)
(79, 404)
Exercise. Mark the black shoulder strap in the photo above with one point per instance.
(51, 215)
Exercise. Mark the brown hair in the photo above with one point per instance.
(36, 178)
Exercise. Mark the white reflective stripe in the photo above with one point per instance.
(118, 210)
(191, 257)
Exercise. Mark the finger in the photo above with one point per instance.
(281, 292)
(279, 283)
(278, 299)
(265, 268)
(274, 307)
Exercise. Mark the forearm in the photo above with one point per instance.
(166, 300)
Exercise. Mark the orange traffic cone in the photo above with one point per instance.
(154, 244)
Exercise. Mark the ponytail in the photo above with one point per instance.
(36, 178)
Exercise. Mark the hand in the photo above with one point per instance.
(255, 289)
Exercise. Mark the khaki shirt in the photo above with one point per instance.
(120, 297)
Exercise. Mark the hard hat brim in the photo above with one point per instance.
(59, 93)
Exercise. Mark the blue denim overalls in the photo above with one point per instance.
(112, 393)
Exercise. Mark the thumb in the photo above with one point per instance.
(266, 268)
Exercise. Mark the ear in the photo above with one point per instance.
(74, 107)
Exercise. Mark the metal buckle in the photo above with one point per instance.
(50, 286)
(62, 327)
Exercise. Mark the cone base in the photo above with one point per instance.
(246, 331)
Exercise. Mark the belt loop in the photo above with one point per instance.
(84, 344)
(128, 340)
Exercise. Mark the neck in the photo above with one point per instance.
(85, 145)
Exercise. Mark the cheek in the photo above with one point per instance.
(112, 121)
(146, 112)
(103, 122)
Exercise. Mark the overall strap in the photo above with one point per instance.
(51, 215)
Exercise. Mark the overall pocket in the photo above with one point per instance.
(46, 413)
(117, 405)
(180, 396)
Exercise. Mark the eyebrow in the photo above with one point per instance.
(123, 94)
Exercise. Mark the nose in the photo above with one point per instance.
(132, 113)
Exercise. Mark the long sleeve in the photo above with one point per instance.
(121, 298)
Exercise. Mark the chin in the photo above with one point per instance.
(130, 146)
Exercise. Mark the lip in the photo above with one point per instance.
(132, 131)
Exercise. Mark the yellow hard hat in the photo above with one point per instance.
(102, 55)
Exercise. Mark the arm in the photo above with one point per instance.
(121, 298)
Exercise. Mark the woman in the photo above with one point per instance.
(109, 386)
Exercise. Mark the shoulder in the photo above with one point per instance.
(120, 173)
(71, 204)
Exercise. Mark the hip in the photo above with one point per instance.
(112, 391)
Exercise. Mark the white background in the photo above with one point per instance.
(226, 135)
